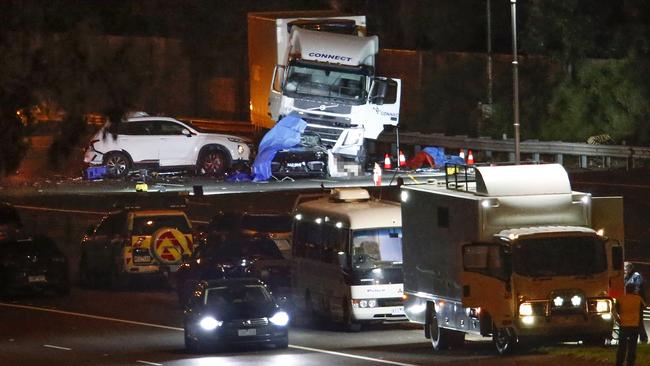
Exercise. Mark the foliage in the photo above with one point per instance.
(606, 97)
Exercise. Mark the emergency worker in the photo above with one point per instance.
(636, 280)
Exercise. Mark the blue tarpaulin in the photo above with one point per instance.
(439, 157)
(284, 135)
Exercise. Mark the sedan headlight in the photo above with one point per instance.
(280, 318)
(525, 309)
(240, 149)
(210, 323)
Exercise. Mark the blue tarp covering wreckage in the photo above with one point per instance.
(284, 135)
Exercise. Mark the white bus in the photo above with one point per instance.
(347, 258)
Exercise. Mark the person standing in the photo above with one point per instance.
(635, 279)
(628, 308)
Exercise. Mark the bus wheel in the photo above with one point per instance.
(504, 341)
(348, 320)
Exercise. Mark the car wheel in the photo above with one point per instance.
(117, 163)
(211, 163)
(284, 343)
(191, 345)
(84, 276)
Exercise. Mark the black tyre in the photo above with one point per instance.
(191, 345)
(84, 275)
(439, 336)
(504, 340)
(117, 163)
(284, 343)
(349, 325)
(212, 163)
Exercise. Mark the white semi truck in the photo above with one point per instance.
(514, 254)
(322, 67)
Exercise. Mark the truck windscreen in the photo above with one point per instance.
(559, 256)
(303, 80)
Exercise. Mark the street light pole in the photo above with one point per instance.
(515, 78)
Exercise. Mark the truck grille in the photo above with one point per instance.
(316, 106)
(329, 128)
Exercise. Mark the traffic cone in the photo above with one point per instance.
(402, 158)
(387, 163)
(462, 154)
(470, 157)
(376, 175)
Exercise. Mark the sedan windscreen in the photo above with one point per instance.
(224, 295)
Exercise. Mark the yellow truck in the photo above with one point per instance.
(513, 253)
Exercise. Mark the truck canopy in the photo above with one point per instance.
(334, 48)
(522, 180)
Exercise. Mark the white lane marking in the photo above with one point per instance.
(88, 316)
(149, 363)
(57, 347)
(378, 360)
(80, 315)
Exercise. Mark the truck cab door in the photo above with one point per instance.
(485, 280)
(275, 94)
(607, 215)
(385, 98)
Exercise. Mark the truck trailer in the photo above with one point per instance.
(511, 253)
(321, 66)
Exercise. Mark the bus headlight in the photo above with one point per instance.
(365, 303)
(525, 309)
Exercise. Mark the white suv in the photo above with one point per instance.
(164, 143)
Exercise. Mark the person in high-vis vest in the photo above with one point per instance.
(628, 311)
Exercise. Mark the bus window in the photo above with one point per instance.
(377, 245)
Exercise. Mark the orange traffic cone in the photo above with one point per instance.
(462, 154)
(402, 158)
(387, 163)
(470, 157)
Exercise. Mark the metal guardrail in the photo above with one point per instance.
(535, 148)
(244, 127)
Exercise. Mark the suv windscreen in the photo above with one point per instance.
(147, 225)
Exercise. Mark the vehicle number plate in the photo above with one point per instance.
(398, 311)
(36, 279)
(246, 332)
(141, 259)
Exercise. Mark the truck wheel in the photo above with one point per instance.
(211, 163)
(117, 163)
(504, 341)
(439, 336)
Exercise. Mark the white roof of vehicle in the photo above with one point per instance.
(541, 230)
(520, 180)
(335, 48)
(354, 215)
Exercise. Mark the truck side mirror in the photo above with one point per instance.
(617, 256)
(378, 92)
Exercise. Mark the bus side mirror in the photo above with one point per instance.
(343, 260)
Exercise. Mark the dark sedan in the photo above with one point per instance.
(238, 311)
(235, 255)
(32, 264)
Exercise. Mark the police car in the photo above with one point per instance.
(134, 242)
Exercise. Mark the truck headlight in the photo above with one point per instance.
(599, 305)
(525, 309)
